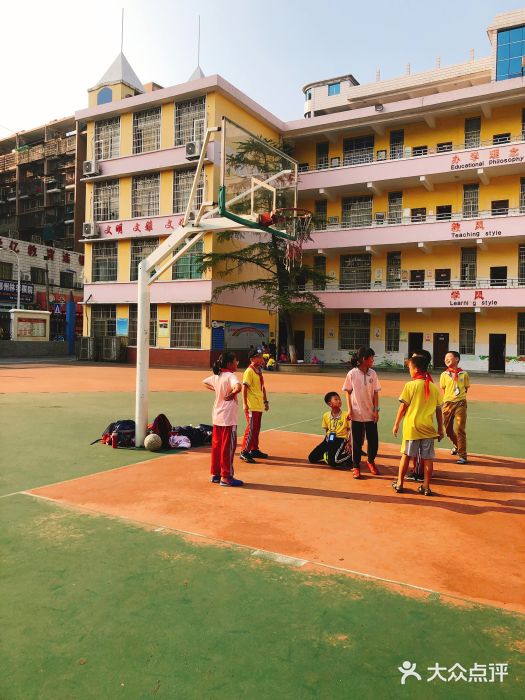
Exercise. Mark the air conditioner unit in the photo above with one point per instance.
(90, 167)
(26, 277)
(89, 230)
(193, 150)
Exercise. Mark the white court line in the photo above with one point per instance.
(277, 556)
(280, 427)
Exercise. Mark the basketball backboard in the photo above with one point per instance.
(256, 178)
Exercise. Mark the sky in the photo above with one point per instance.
(52, 52)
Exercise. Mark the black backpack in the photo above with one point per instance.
(124, 430)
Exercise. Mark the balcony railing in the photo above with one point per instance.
(381, 219)
(366, 155)
(376, 286)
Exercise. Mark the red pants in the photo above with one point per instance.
(223, 444)
(251, 434)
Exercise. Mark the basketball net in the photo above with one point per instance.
(296, 223)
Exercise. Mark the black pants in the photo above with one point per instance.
(336, 454)
(358, 433)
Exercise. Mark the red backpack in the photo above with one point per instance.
(161, 427)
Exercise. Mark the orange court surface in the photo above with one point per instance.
(465, 543)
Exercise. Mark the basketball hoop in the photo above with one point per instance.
(296, 223)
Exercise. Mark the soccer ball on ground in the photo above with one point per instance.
(153, 442)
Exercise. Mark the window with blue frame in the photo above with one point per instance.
(510, 51)
(334, 89)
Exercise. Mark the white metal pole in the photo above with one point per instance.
(18, 280)
(143, 316)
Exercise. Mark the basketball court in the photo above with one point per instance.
(129, 572)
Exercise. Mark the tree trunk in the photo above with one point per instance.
(287, 317)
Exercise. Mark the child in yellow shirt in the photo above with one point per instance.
(335, 449)
(455, 383)
(420, 402)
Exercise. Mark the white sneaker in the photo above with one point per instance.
(454, 451)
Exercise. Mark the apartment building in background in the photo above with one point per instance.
(417, 185)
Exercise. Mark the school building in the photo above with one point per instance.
(417, 185)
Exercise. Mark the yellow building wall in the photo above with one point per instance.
(167, 125)
(125, 198)
(126, 134)
(166, 193)
(503, 120)
(163, 314)
(123, 260)
(90, 135)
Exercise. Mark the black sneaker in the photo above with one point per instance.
(259, 454)
(246, 457)
(411, 476)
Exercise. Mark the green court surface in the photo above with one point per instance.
(98, 608)
(94, 607)
(50, 440)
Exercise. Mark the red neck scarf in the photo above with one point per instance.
(225, 369)
(258, 370)
(426, 376)
(454, 373)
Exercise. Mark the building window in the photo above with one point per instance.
(498, 139)
(470, 201)
(521, 334)
(320, 214)
(467, 333)
(358, 150)
(509, 53)
(38, 275)
(354, 331)
(500, 207)
(420, 150)
(355, 271)
(522, 196)
(472, 132)
(188, 266)
(146, 130)
(444, 147)
(320, 268)
(419, 214)
(523, 124)
(104, 96)
(397, 142)
(521, 264)
(443, 212)
(106, 200)
(132, 325)
(185, 326)
(6, 270)
(190, 120)
(107, 138)
(145, 195)
(104, 267)
(103, 320)
(395, 207)
(308, 94)
(468, 268)
(66, 279)
(392, 332)
(393, 270)
(321, 156)
(357, 211)
(182, 183)
(334, 89)
(318, 332)
(140, 249)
